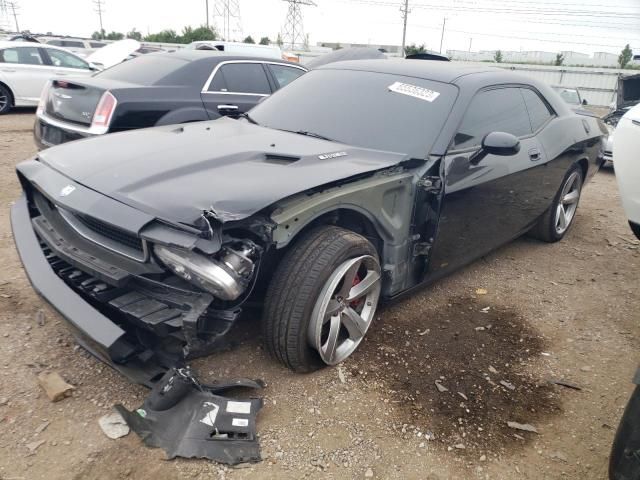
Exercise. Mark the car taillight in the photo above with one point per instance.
(104, 112)
(44, 96)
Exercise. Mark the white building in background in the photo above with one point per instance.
(599, 59)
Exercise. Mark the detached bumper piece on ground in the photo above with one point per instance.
(188, 419)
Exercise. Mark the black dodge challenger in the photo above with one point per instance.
(354, 184)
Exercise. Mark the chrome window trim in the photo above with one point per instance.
(205, 88)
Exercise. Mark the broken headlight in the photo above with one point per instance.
(225, 276)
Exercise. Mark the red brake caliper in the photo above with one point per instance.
(356, 303)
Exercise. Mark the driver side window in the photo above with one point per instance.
(495, 110)
(60, 58)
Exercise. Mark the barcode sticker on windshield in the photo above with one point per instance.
(414, 91)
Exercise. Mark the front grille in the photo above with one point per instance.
(110, 232)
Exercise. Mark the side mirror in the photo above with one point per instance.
(496, 143)
(584, 101)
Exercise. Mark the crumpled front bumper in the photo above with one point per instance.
(94, 331)
(125, 320)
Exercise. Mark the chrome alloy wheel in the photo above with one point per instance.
(4, 100)
(345, 309)
(568, 202)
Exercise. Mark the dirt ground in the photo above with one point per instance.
(567, 312)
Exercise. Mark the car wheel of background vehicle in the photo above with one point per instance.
(322, 299)
(5, 100)
(555, 223)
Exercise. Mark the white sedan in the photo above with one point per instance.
(26, 67)
(627, 165)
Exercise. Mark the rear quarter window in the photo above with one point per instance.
(539, 112)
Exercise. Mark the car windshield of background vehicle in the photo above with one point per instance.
(359, 108)
(569, 96)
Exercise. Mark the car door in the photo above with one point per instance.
(491, 202)
(24, 70)
(235, 87)
(66, 63)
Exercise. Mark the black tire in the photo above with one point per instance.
(624, 463)
(295, 288)
(6, 100)
(545, 228)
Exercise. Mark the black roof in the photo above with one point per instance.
(214, 56)
(446, 72)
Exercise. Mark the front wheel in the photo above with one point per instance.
(322, 299)
(555, 223)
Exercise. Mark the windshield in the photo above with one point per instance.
(568, 95)
(359, 108)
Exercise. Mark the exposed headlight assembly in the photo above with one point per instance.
(225, 277)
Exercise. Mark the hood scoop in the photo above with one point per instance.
(279, 159)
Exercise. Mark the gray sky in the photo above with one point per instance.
(580, 25)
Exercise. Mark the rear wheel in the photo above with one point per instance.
(5, 100)
(555, 223)
(322, 299)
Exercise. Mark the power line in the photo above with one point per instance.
(293, 26)
(229, 11)
(14, 6)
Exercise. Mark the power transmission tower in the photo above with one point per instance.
(293, 28)
(405, 13)
(14, 6)
(100, 10)
(444, 24)
(229, 11)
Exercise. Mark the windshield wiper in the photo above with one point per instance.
(314, 135)
(248, 117)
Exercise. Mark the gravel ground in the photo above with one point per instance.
(567, 311)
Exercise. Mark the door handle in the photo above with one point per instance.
(534, 154)
(8, 70)
(227, 107)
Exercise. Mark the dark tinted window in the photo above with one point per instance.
(97, 44)
(285, 75)
(358, 108)
(146, 70)
(72, 44)
(218, 84)
(245, 78)
(56, 43)
(498, 110)
(538, 110)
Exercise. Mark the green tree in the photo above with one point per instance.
(559, 59)
(498, 56)
(190, 34)
(136, 35)
(248, 39)
(98, 35)
(165, 36)
(625, 56)
(265, 41)
(114, 36)
(413, 49)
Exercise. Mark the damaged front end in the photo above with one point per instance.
(140, 293)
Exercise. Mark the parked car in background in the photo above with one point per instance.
(570, 95)
(158, 89)
(25, 68)
(627, 165)
(611, 121)
(354, 184)
(237, 48)
(79, 46)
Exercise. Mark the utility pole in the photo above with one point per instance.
(405, 14)
(207, 7)
(470, 42)
(100, 10)
(13, 6)
(444, 23)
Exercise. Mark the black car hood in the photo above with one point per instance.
(231, 167)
